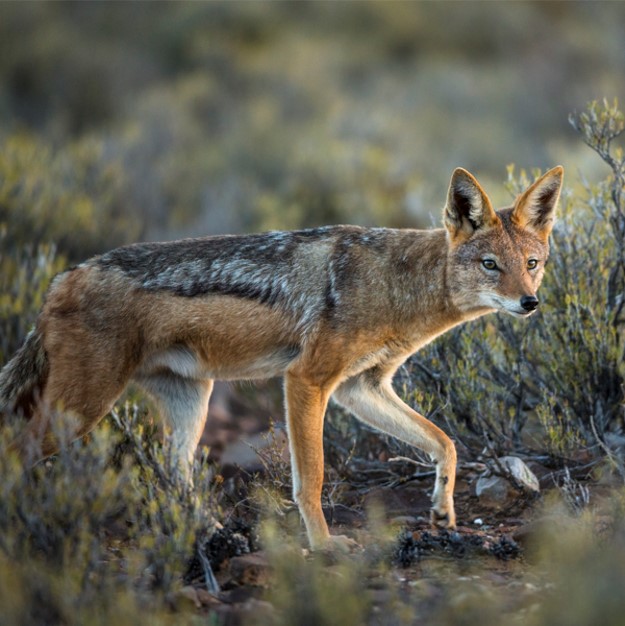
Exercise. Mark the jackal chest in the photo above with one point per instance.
(389, 355)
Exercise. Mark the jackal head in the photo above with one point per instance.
(497, 258)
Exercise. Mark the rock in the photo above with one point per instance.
(493, 491)
(250, 569)
(206, 598)
(521, 472)
(185, 598)
(497, 491)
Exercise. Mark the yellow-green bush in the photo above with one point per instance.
(242, 116)
(101, 533)
(71, 196)
(25, 273)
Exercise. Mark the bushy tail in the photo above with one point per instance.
(23, 377)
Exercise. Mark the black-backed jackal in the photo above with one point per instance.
(333, 310)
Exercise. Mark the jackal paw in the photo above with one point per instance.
(443, 519)
(341, 543)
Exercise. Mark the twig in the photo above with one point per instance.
(212, 586)
(405, 459)
(606, 449)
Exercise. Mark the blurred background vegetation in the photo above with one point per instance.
(130, 120)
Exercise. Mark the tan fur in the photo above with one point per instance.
(335, 311)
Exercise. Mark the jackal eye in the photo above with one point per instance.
(532, 264)
(489, 264)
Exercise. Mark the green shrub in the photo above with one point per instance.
(100, 532)
(72, 196)
(25, 273)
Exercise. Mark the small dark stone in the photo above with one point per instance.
(250, 569)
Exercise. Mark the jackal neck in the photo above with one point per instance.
(424, 285)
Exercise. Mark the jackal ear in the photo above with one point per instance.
(535, 208)
(468, 208)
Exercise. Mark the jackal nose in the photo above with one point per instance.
(529, 303)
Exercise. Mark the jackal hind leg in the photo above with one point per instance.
(183, 403)
(371, 398)
(81, 388)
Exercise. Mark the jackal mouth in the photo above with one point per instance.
(520, 313)
(512, 307)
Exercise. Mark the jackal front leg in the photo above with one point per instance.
(305, 410)
(371, 398)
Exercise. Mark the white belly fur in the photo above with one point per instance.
(181, 361)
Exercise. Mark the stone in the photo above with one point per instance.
(206, 598)
(493, 491)
(184, 598)
(497, 491)
(250, 569)
(521, 472)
